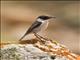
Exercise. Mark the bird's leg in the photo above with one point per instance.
(40, 38)
(45, 39)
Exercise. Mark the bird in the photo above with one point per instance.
(40, 24)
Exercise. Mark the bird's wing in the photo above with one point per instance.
(33, 26)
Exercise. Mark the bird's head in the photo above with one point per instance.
(43, 17)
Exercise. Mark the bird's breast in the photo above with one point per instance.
(44, 25)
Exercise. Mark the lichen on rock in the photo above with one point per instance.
(26, 52)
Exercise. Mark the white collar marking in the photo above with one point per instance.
(40, 20)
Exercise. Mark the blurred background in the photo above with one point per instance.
(17, 16)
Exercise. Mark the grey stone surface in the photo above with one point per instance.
(25, 52)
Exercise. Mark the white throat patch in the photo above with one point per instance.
(40, 20)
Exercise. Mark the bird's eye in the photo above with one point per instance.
(43, 17)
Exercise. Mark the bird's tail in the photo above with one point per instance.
(23, 36)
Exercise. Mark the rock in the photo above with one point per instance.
(25, 52)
